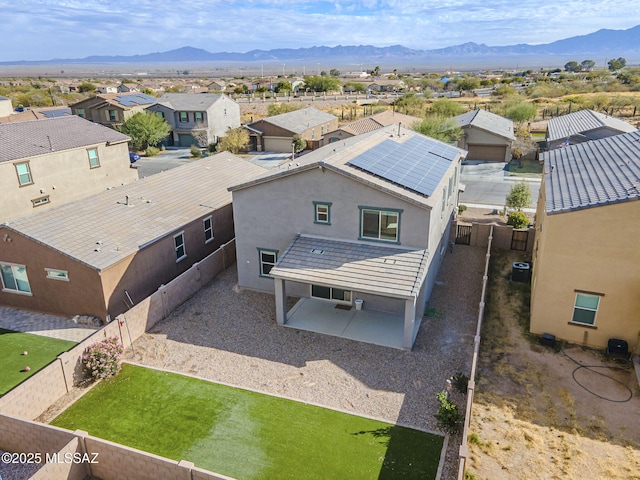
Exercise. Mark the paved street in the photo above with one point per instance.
(163, 161)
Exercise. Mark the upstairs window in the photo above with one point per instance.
(80, 112)
(268, 259)
(381, 225)
(112, 115)
(322, 212)
(24, 174)
(94, 161)
(54, 274)
(184, 117)
(14, 278)
(199, 117)
(160, 114)
(208, 230)
(178, 243)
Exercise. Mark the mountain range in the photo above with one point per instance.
(603, 43)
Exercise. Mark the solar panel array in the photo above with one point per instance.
(135, 99)
(417, 164)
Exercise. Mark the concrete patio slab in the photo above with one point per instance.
(44, 324)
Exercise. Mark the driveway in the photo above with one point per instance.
(165, 160)
(230, 335)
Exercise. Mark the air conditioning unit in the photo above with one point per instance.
(520, 272)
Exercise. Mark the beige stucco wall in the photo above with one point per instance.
(591, 250)
(64, 176)
(6, 107)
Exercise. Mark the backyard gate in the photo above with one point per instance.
(463, 234)
(519, 240)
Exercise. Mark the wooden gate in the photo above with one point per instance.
(463, 234)
(519, 240)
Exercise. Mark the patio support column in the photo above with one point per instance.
(409, 322)
(281, 301)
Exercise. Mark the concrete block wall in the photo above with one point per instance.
(65, 468)
(25, 436)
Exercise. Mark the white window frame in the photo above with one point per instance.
(16, 290)
(348, 295)
(28, 172)
(55, 274)
(96, 158)
(208, 231)
(179, 247)
(586, 309)
(40, 201)
(317, 213)
(380, 212)
(262, 262)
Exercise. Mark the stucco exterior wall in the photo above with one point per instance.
(591, 250)
(6, 107)
(476, 136)
(222, 116)
(82, 294)
(63, 176)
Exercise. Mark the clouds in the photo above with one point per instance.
(44, 29)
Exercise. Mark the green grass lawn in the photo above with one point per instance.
(41, 351)
(247, 435)
(524, 167)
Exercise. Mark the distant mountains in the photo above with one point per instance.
(595, 46)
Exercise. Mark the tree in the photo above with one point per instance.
(319, 83)
(411, 104)
(145, 129)
(617, 64)
(235, 140)
(517, 219)
(521, 112)
(519, 196)
(334, 73)
(278, 108)
(587, 65)
(283, 86)
(467, 84)
(86, 87)
(357, 87)
(375, 72)
(439, 127)
(446, 107)
(572, 66)
(299, 143)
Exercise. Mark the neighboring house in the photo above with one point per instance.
(128, 88)
(106, 88)
(24, 116)
(370, 123)
(586, 264)
(6, 107)
(49, 162)
(217, 86)
(387, 86)
(94, 256)
(583, 126)
(197, 119)
(487, 136)
(367, 218)
(112, 109)
(275, 134)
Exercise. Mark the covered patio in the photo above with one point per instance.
(385, 281)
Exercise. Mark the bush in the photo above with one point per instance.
(212, 147)
(195, 151)
(448, 417)
(460, 381)
(518, 219)
(102, 359)
(152, 151)
(461, 209)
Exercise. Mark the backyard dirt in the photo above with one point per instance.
(539, 413)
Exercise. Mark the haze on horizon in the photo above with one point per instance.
(48, 29)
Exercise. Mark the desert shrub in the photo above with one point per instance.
(195, 151)
(462, 209)
(448, 417)
(102, 359)
(152, 151)
(518, 219)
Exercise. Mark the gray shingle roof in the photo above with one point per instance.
(336, 156)
(487, 121)
(158, 205)
(189, 101)
(361, 267)
(39, 137)
(593, 174)
(581, 122)
(301, 120)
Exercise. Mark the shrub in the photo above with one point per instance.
(518, 219)
(102, 359)
(152, 151)
(461, 209)
(448, 417)
(460, 381)
(195, 151)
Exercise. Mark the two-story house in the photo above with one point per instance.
(196, 119)
(98, 255)
(357, 229)
(275, 134)
(585, 286)
(49, 162)
(112, 109)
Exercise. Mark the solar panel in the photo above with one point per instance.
(417, 164)
(135, 99)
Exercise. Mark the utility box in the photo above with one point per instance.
(520, 272)
(548, 340)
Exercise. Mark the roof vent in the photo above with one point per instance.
(317, 251)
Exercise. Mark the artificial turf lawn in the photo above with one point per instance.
(41, 351)
(247, 435)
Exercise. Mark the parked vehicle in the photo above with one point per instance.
(133, 157)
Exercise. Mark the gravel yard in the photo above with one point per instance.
(230, 335)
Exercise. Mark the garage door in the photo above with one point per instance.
(492, 153)
(277, 144)
(186, 140)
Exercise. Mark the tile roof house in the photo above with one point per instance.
(370, 123)
(90, 256)
(275, 134)
(487, 136)
(49, 162)
(386, 86)
(364, 221)
(586, 263)
(197, 119)
(583, 126)
(111, 109)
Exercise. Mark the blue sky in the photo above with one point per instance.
(46, 29)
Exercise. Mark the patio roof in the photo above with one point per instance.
(376, 269)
